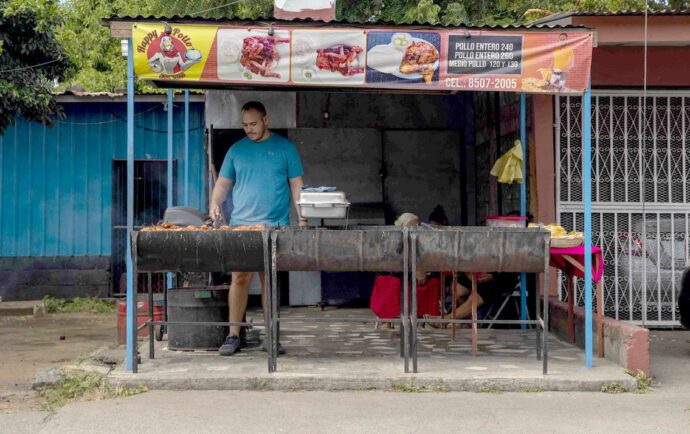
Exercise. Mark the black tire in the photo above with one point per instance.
(684, 300)
(160, 331)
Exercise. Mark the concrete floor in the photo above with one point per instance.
(347, 356)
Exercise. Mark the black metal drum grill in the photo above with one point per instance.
(371, 249)
(481, 249)
(366, 248)
(196, 251)
(199, 251)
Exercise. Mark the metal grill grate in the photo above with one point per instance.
(640, 190)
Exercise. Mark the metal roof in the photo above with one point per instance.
(623, 13)
(264, 19)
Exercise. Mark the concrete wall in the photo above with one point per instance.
(625, 344)
(383, 111)
(223, 107)
(349, 158)
(31, 278)
(423, 170)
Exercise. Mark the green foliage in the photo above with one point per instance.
(424, 12)
(455, 15)
(614, 388)
(31, 61)
(78, 304)
(643, 381)
(79, 387)
(101, 66)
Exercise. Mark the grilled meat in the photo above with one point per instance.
(420, 58)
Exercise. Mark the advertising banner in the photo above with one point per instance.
(443, 60)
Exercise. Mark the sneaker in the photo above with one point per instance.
(230, 347)
(264, 347)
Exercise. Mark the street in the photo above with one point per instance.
(665, 409)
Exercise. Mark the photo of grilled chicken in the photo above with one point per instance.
(340, 58)
(260, 56)
(420, 58)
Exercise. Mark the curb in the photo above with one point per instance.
(402, 384)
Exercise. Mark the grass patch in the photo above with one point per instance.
(612, 388)
(83, 387)
(644, 382)
(530, 390)
(485, 389)
(78, 304)
(408, 388)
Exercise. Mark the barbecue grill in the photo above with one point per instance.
(354, 249)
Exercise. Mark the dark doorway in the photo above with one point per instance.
(150, 202)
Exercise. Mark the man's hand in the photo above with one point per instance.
(303, 222)
(214, 212)
(220, 192)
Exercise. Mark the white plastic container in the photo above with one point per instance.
(327, 205)
(506, 222)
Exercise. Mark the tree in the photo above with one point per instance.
(31, 61)
(455, 15)
(424, 12)
(102, 68)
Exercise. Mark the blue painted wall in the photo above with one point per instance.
(56, 183)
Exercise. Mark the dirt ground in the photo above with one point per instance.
(31, 343)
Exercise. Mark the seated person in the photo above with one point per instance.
(438, 217)
(491, 288)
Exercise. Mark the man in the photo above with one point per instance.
(263, 170)
(563, 62)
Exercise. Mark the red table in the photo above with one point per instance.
(572, 262)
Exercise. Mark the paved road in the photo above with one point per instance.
(665, 410)
(353, 412)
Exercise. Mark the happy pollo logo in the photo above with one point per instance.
(169, 54)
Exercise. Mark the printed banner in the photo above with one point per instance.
(534, 62)
(323, 10)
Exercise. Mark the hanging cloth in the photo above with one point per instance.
(508, 168)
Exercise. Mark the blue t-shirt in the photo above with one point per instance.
(260, 171)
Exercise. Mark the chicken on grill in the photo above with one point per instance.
(260, 56)
(420, 58)
(340, 58)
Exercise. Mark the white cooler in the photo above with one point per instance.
(326, 205)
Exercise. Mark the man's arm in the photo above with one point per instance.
(295, 188)
(220, 192)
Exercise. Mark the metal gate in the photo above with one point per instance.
(640, 196)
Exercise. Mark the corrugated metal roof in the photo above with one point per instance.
(624, 13)
(199, 19)
(632, 12)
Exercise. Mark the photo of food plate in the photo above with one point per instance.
(328, 57)
(410, 57)
(253, 55)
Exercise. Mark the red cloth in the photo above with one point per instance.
(578, 253)
(385, 297)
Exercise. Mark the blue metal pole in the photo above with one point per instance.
(186, 147)
(170, 163)
(587, 193)
(523, 200)
(131, 291)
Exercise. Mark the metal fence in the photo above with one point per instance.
(640, 196)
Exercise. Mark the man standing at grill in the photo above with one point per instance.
(263, 170)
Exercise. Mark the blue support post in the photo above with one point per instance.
(186, 147)
(587, 198)
(171, 187)
(131, 290)
(523, 200)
